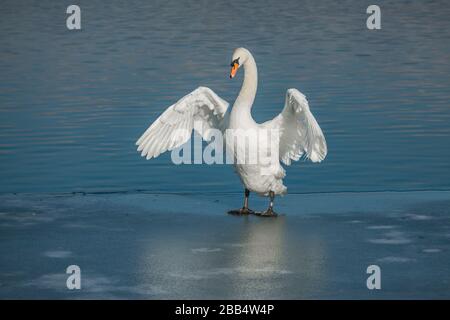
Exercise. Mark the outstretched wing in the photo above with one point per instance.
(174, 127)
(299, 132)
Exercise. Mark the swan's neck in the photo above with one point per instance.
(249, 86)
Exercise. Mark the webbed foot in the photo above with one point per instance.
(268, 213)
(241, 212)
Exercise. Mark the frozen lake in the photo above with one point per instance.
(148, 246)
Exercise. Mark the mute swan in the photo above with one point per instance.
(299, 133)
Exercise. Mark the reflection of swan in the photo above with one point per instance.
(263, 248)
(273, 261)
(253, 259)
(299, 135)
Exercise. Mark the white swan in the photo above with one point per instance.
(299, 134)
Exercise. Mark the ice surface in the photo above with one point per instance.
(185, 246)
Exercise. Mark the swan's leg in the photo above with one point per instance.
(244, 209)
(269, 212)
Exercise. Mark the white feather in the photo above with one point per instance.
(300, 134)
(202, 104)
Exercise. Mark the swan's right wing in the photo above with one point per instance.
(174, 127)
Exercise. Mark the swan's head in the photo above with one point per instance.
(240, 55)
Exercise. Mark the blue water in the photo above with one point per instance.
(73, 103)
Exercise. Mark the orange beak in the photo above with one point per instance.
(234, 69)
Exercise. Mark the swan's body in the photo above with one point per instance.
(299, 134)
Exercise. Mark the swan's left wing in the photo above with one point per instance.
(299, 133)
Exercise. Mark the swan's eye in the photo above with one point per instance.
(234, 61)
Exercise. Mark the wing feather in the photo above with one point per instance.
(300, 134)
(174, 126)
